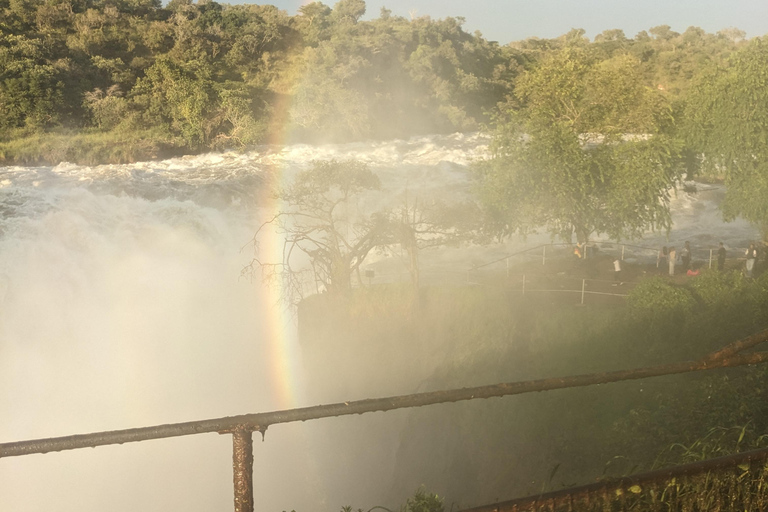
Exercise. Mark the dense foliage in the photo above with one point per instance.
(479, 451)
(727, 123)
(207, 75)
(78, 77)
(586, 149)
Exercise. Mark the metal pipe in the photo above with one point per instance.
(738, 346)
(242, 468)
(260, 421)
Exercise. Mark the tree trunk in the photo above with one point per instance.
(340, 276)
(582, 235)
(413, 259)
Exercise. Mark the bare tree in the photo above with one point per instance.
(327, 234)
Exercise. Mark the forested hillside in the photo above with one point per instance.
(120, 80)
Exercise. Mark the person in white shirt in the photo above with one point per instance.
(751, 255)
(672, 257)
(617, 271)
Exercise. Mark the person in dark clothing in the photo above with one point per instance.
(721, 257)
(685, 256)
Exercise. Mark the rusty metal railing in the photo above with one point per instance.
(242, 427)
(704, 485)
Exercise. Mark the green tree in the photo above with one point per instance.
(178, 97)
(727, 122)
(108, 109)
(314, 22)
(587, 152)
(348, 11)
(31, 89)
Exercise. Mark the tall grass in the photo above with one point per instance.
(87, 147)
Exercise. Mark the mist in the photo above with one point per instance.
(122, 305)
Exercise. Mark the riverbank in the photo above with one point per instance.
(88, 148)
(95, 147)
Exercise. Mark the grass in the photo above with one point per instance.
(87, 147)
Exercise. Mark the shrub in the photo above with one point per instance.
(658, 300)
(423, 501)
(712, 287)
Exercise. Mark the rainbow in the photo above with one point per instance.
(283, 350)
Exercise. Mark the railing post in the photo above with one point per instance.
(544, 256)
(242, 467)
(622, 252)
(583, 285)
(710, 258)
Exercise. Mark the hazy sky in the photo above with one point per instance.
(512, 20)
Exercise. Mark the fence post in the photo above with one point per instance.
(523, 284)
(583, 285)
(622, 252)
(242, 466)
(544, 256)
(710, 258)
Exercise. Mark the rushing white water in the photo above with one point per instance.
(121, 305)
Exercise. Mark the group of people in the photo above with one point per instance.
(671, 255)
(685, 257)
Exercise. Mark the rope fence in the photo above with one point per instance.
(500, 270)
(640, 253)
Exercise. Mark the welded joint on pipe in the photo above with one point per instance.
(245, 429)
(262, 431)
